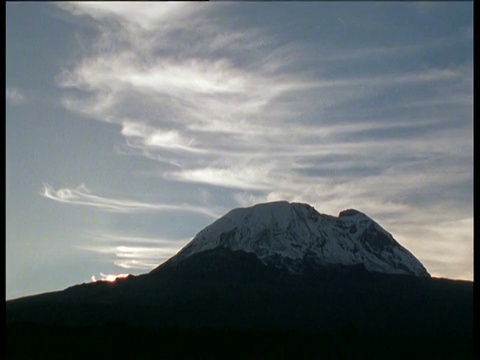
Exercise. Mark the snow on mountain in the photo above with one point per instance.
(289, 235)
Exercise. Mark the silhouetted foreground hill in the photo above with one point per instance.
(233, 296)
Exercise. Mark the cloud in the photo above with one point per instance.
(14, 96)
(248, 178)
(271, 115)
(128, 239)
(141, 257)
(134, 252)
(82, 196)
(147, 18)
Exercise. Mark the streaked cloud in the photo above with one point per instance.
(135, 257)
(131, 251)
(146, 17)
(129, 239)
(82, 196)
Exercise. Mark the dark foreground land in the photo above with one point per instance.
(228, 305)
(120, 341)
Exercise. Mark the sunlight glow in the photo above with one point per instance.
(112, 277)
(108, 277)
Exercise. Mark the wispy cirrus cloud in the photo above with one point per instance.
(272, 115)
(145, 17)
(133, 257)
(131, 239)
(82, 196)
(133, 252)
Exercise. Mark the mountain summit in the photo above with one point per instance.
(294, 236)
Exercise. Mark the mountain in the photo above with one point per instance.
(276, 267)
(294, 236)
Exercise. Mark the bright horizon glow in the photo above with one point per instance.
(109, 277)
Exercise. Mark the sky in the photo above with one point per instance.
(132, 126)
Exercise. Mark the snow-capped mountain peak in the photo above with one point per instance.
(288, 235)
